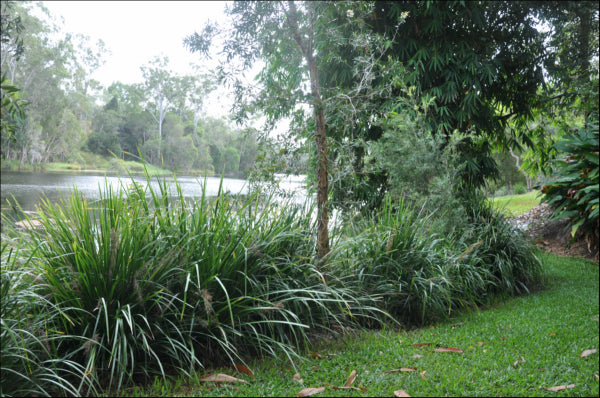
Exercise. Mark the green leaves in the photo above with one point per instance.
(574, 192)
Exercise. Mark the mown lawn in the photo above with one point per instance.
(516, 347)
(515, 205)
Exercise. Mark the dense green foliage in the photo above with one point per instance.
(408, 101)
(140, 282)
(574, 193)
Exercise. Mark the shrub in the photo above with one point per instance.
(519, 189)
(574, 193)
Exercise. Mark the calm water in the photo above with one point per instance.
(29, 187)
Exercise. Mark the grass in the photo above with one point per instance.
(516, 347)
(517, 204)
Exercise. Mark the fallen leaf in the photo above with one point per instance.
(221, 378)
(503, 338)
(430, 326)
(518, 361)
(315, 355)
(400, 370)
(588, 352)
(305, 392)
(400, 393)
(595, 319)
(244, 369)
(481, 343)
(449, 350)
(559, 388)
(351, 379)
(596, 374)
(552, 334)
(332, 355)
(420, 345)
(361, 389)
(297, 378)
(423, 375)
(417, 356)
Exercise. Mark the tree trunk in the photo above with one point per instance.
(320, 135)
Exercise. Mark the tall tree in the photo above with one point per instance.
(159, 91)
(283, 36)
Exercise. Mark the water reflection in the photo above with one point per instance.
(28, 188)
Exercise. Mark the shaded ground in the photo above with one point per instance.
(551, 236)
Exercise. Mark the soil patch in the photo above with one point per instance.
(552, 235)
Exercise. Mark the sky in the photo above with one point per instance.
(137, 31)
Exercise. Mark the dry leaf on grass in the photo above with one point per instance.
(221, 378)
(559, 388)
(596, 374)
(417, 356)
(449, 350)
(423, 375)
(401, 393)
(420, 345)
(518, 361)
(400, 370)
(306, 392)
(244, 369)
(361, 389)
(351, 379)
(585, 353)
(297, 378)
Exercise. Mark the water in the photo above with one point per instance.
(28, 188)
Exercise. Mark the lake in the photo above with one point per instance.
(29, 187)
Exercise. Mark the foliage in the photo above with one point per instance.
(422, 275)
(140, 287)
(516, 347)
(574, 193)
(31, 332)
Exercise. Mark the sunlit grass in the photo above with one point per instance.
(516, 205)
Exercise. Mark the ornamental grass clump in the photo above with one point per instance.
(30, 334)
(144, 282)
(399, 262)
(419, 275)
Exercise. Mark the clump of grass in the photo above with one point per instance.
(145, 282)
(30, 333)
(420, 275)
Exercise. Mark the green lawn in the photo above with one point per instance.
(516, 205)
(518, 347)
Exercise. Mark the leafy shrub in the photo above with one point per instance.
(519, 189)
(574, 193)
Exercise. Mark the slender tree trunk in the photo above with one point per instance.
(320, 135)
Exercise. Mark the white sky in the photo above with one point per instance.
(137, 31)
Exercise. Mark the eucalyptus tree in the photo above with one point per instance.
(159, 92)
(284, 38)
